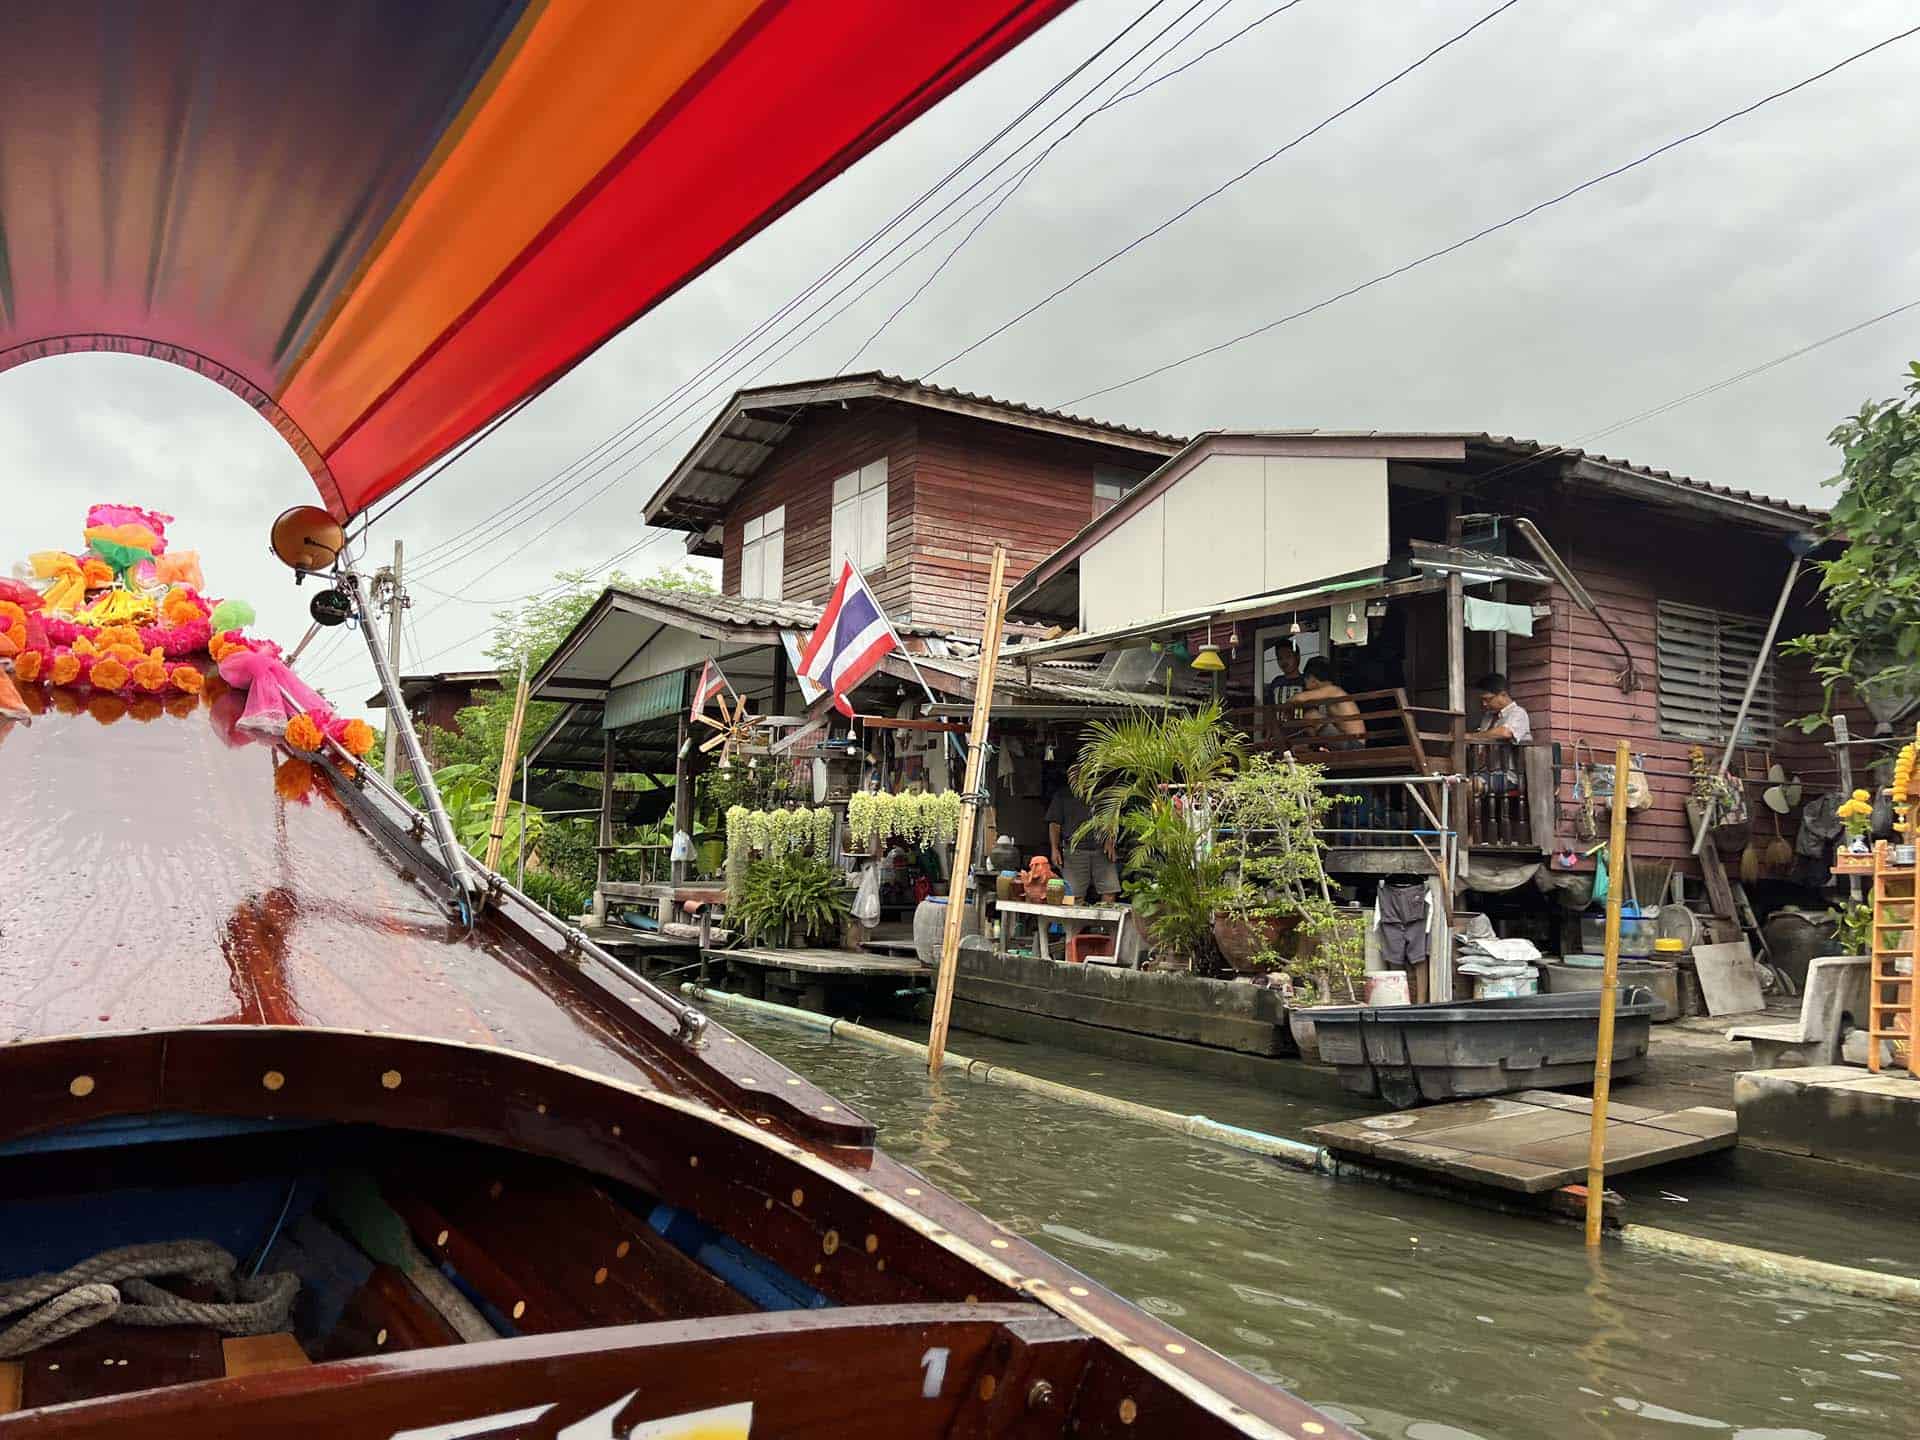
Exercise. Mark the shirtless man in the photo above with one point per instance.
(1322, 699)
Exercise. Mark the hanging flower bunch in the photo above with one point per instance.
(1905, 790)
(916, 817)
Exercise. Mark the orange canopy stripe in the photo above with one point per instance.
(382, 223)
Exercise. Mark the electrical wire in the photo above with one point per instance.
(697, 402)
(1129, 88)
(1220, 189)
(819, 282)
(1485, 231)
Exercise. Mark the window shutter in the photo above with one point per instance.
(773, 565)
(1704, 657)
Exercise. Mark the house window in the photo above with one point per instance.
(763, 555)
(860, 518)
(1704, 659)
(1108, 486)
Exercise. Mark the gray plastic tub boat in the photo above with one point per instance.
(1412, 1054)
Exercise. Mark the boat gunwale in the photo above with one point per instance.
(228, 1070)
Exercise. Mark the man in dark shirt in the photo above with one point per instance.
(1088, 865)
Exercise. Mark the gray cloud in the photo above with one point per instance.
(1772, 232)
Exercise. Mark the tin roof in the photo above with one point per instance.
(750, 426)
(1486, 456)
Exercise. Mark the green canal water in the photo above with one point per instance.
(1410, 1318)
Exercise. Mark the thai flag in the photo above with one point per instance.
(850, 641)
(712, 682)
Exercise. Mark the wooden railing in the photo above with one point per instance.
(1509, 796)
(1390, 740)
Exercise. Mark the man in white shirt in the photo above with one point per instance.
(1506, 717)
(1506, 720)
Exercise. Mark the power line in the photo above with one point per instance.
(1481, 234)
(607, 461)
(807, 291)
(1667, 406)
(1218, 190)
(1026, 174)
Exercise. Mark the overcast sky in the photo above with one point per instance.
(1770, 233)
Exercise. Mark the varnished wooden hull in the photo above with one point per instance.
(283, 957)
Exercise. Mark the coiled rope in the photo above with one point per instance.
(118, 1285)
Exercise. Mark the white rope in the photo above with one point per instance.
(117, 1285)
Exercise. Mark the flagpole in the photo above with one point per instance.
(899, 644)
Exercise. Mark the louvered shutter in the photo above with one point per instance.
(1704, 658)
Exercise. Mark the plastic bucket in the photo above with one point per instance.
(1388, 987)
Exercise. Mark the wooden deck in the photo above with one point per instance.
(834, 964)
(1532, 1142)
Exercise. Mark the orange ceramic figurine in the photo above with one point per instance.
(1033, 879)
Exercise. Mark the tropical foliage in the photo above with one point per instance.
(1149, 780)
(792, 899)
(561, 855)
(916, 817)
(1871, 590)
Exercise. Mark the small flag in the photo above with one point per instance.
(850, 641)
(712, 682)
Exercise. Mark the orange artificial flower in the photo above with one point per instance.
(65, 669)
(293, 778)
(188, 680)
(219, 646)
(13, 623)
(151, 673)
(106, 708)
(109, 674)
(303, 734)
(84, 646)
(97, 574)
(357, 737)
(27, 666)
(118, 637)
(180, 608)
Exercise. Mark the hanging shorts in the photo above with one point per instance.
(1403, 925)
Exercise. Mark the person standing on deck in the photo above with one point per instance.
(1086, 865)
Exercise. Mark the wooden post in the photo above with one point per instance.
(603, 837)
(1609, 996)
(969, 810)
(497, 834)
(683, 771)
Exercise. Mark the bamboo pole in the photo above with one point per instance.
(1609, 997)
(497, 833)
(969, 809)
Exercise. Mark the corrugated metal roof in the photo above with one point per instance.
(1537, 449)
(1070, 684)
(756, 614)
(752, 423)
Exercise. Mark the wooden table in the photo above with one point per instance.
(1073, 919)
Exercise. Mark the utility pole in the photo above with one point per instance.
(388, 584)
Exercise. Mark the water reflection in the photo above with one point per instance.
(1413, 1319)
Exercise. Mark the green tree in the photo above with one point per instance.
(1872, 588)
(470, 760)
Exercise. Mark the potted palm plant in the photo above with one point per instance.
(1149, 781)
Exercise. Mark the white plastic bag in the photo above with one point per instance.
(866, 899)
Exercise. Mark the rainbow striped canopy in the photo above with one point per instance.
(383, 222)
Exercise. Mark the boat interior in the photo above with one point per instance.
(397, 1240)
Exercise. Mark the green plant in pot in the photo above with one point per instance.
(1328, 968)
(789, 900)
(1142, 776)
(1270, 816)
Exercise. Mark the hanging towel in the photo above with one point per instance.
(1498, 615)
